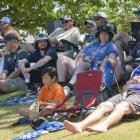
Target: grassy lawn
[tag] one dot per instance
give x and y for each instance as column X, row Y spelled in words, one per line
column 8, row 115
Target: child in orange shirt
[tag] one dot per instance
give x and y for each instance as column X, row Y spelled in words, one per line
column 50, row 96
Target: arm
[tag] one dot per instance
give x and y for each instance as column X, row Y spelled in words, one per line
column 113, row 59
column 22, row 64
column 41, row 63
column 14, row 74
column 128, row 58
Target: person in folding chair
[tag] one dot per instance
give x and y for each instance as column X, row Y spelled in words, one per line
column 65, row 39
column 125, row 103
column 94, row 56
column 50, row 95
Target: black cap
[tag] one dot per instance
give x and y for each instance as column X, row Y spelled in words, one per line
column 10, row 37
column 106, row 28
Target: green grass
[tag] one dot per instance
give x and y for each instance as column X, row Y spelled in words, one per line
column 8, row 115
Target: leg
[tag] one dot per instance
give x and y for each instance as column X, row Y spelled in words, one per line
column 119, row 45
column 46, row 111
column 103, row 108
column 3, row 86
column 120, row 110
column 11, row 85
column 82, row 66
column 65, row 66
column 24, row 112
column 118, row 71
column 129, row 68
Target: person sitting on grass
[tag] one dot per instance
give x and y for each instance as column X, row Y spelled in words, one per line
column 10, row 78
column 127, row 102
column 50, row 95
column 33, row 65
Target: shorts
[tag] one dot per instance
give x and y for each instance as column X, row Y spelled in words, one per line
column 15, row 84
column 132, row 98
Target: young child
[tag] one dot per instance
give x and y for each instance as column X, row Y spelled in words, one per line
column 50, row 95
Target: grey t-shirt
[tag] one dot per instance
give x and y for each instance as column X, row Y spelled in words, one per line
column 72, row 35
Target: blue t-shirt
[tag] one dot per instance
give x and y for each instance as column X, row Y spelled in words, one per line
column 11, row 60
column 136, row 72
column 90, row 37
column 36, row 56
column 89, row 51
column 102, row 52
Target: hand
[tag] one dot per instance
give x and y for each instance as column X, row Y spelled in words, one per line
column 2, row 76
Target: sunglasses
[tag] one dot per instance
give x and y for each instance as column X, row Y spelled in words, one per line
column 65, row 21
column 89, row 26
column 2, row 23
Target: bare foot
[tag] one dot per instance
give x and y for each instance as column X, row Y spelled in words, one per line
column 97, row 128
column 73, row 127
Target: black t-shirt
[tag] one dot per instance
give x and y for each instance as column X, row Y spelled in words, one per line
column 11, row 60
column 36, row 56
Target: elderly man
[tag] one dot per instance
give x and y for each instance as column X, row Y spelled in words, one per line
column 101, row 18
column 5, row 26
column 9, row 80
column 67, row 36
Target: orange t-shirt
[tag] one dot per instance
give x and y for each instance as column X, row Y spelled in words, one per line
column 55, row 93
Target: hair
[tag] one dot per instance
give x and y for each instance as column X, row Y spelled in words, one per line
column 111, row 35
column 51, row 71
column 36, row 45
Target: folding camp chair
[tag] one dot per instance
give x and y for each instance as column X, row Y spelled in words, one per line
column 88, row 85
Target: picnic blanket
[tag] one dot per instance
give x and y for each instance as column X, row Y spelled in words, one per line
column 18, row 100
column 43, row 129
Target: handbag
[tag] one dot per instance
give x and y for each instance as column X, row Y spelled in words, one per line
column 34, row 111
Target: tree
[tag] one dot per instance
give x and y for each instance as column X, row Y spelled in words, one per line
column 30, row 15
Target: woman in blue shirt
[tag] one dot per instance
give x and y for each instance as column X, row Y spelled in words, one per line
column 95, row 55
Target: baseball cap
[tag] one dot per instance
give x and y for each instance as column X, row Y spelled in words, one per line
column 67, row 17
column 10, row 37
column 6, row 20
column 100, row 14
column 90, row 22
column 41, row 37
column 137, row 12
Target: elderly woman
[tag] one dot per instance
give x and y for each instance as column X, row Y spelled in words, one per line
column 94, row 55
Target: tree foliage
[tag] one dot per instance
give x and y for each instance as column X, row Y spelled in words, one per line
column 30, row 15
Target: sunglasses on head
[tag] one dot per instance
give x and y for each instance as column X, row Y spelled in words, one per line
column 41, row 35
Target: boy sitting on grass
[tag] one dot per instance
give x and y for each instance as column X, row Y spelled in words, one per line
column 50, row 95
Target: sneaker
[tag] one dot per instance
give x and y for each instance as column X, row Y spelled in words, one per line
column 66, row 90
